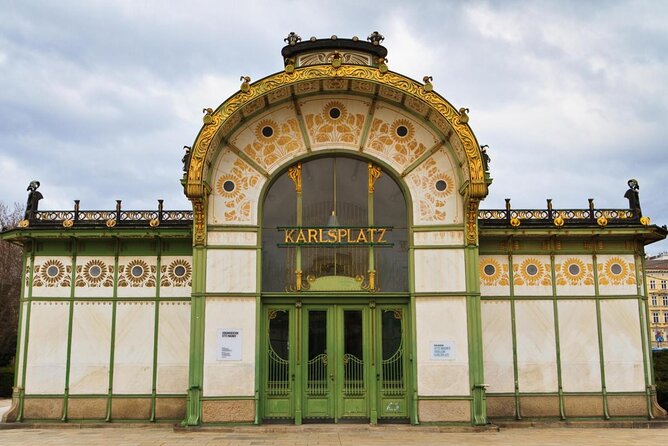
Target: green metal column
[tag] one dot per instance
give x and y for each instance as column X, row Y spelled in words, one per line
column 599, row 327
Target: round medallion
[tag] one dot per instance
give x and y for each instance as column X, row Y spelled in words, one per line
column 52, row 271
column 94, row 271
column 402, row 131
column 180, row 271
column 489, row 270
column 574, row 269
column 616, row 269
column 228, row 186
column 441, row 185
column 334, row 113
column 532, row 270
column 137, row 271
column 267, row 131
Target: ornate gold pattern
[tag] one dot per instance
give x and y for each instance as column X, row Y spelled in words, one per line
column 177, row 274
column 374, row 173
column 326, row 58
column 532, row 272
column 204, row 145
column 199, row 222
column 23, row 224
column 269, row 150
column 238, row 203
column 136, row 273
column 472, row 222
column 388, row 144
column 346, row 128
column 574, row 271
column 95, row 273
column 499, row 276
column 616, row 271
column 68, row 223
column 295, row 174
column 52, row 273
column 431, row 203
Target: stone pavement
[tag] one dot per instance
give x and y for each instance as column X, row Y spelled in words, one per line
column 326, row 435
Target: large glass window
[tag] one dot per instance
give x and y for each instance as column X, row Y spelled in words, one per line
column 339, row 198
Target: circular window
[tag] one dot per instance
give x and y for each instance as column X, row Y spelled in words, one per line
column 334, row 113
column 52, row 271
column 137, row 271
column 180, row 271
column 489, row 270
column 574, row 269
column 402, row 131
column 616, row 268
column 532, row 270
column 441, row 185
column 267, row 131
column 229, row 186
column 94, row 271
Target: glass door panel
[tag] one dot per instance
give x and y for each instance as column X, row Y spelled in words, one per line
column 278, row 376
column 353, row 394
column 319, row 371
column 393, row 397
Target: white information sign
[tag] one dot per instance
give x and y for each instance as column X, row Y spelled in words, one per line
column 229, row 344
column 442, row 350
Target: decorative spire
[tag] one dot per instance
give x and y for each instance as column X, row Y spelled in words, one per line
column 376, row 38
column 292, row 39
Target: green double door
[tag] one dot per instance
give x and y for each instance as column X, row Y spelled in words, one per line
column 332, row 363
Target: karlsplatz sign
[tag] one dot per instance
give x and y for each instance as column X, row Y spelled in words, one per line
column 338, row 236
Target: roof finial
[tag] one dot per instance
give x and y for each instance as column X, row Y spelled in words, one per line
column 375, row 38
column 292, row 38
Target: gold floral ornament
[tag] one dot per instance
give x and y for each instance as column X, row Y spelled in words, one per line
column 493, row 273
column 574, row 272
column 178, row 274
column 154, row 223
column 51, row 273
column 616, row 272
column 602, row 221
column 68, row 223
column 645, row 221
column 395, row 141
column 532, row 272
column 274, row 142
column 24, row 224
column 111, row 223
column 335, row 124
column 515, row 222
column 559, row 222
column 235, row 187
column 94, row 273
column 136, row 273
column 437, row 187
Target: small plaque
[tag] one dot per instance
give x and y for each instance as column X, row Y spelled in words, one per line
column 442, row 350
column 229, row 344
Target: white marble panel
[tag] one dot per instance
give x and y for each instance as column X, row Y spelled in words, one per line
column 133, row 351
column 137, row 276
column 622, row 348
column 578, row 341
column 497, row 346
column 173, row 347
column 439, row 320
column 47, row 348
column 91, row 345
column 439, row 238
column 536, row 348
column 227, row 238
column 172, row 282
column 56, row 285
column 617, row 275
column 494, row 275
column 532, row 275
column 21, row 343
column 439, row 270
column 229, row 378
column 94, row 276
column 230, row 271
column 574, row 275
column 343, row 131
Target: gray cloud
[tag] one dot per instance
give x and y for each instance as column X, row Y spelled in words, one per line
column 98, row 98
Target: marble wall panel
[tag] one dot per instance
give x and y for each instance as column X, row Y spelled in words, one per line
column 574, row 275
column 47, row 348
column 137, row 276
column 225, row 238
column 176, row 274
column 439, row 238
column 236, row 191
column 133, row 351
column 532, row 275
column 52, row 276
column 622, row 348
column 434, row 187
column 497, row 346
column 397, row 138
column 536, row 348
column 91, row 345
column 231, row 270
column 94, row 277
column 229, row 378
column 328, row 128
column 439, row 270
column 272, row 138
column 21, row 344
column 616, row 275
column 578, row 342
column 173, row 347
column 442, row 320
column 494, row 275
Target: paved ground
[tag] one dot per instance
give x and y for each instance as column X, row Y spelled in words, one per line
column 340, row 435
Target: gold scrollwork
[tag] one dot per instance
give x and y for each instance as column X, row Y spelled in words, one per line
column 472, row 223
column 295, row 174
column 199, row 225
column 68, row 223
column 24, row 224
column 374, row 174
column 205, row 143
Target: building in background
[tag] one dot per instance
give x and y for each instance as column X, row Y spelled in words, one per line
column 656, row 269
column 335, row 267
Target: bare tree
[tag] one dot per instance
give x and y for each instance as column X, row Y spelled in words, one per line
column 10, row 284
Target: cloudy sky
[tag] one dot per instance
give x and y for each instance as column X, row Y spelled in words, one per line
column 97, row 98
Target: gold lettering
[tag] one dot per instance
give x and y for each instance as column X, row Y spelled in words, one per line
column 350, row 239
column 342, row 232
column 288, row 235
column 320, row 235
column 313, row 236
column 301, row 238
column 331, row 233
column 361, row 238
column 382, row 234
column 372, row 235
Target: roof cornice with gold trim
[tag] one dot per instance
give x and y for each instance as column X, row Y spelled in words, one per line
column 206, row 141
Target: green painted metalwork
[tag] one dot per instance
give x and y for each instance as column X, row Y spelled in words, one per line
column 112, row 351
column 69, row 330
column 513, row 330
column 599, row 328
column 19, row 417
column 156, row 327
column 474, row 331
column 644, row 335
column 555, row 309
